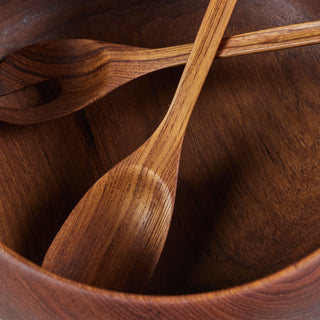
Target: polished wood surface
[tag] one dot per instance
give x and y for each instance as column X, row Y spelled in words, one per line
column 246, row 209
column 38, row 83
column 115, row 235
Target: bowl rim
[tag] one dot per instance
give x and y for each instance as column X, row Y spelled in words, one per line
column 28, row 266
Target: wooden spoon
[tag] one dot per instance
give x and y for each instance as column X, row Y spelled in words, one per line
column 114, row 236
column 53, row 79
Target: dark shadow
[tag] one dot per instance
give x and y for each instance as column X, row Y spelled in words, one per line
column 32, row 96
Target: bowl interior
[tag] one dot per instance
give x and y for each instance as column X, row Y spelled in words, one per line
column 249, row 188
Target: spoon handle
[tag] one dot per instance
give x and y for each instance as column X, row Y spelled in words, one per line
column 167, row 140
column 266, row 40
column 277, row 38
column 201, row 57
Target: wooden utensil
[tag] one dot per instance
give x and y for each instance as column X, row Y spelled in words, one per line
column 39, row 83
column 114, row 237
column 248, row 192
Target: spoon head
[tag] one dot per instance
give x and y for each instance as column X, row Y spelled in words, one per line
column 80, row 68
column 114, row 236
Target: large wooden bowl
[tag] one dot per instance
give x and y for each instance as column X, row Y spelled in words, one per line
column 244, row 241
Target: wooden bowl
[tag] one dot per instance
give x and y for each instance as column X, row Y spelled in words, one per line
column 244, row 241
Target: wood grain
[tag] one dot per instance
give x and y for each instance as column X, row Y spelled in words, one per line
column 114, row 237
column 246, row 208
column 35, row 86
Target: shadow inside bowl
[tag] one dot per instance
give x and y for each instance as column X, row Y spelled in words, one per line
column 248, row 192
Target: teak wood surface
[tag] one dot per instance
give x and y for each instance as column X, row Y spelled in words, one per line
column 244, row 240
column 38, row 83
column 114, row 237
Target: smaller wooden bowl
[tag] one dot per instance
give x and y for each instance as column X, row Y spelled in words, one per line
column 244, row 241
